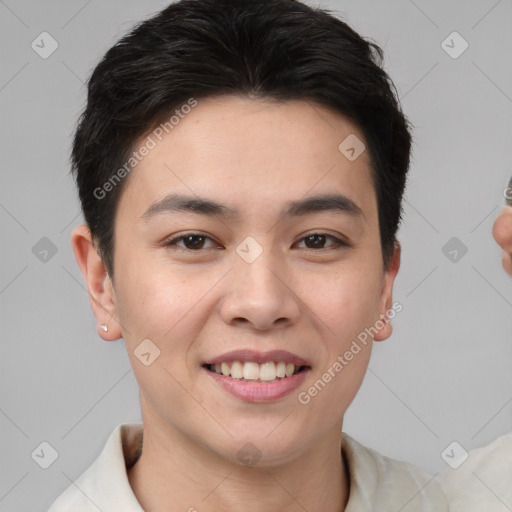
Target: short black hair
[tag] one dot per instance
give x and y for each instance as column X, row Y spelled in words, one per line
column 271, row 49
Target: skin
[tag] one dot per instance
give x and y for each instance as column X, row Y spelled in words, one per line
column 502, row 233
column 255, row 156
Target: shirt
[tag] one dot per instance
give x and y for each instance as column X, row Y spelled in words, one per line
column 377, row 483
column 483, row 482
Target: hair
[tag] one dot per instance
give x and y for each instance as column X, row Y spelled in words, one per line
column 276, row 50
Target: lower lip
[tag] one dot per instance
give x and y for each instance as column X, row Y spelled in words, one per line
column 259, row 391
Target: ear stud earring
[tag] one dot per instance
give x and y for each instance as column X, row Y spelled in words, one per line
column 104, row 327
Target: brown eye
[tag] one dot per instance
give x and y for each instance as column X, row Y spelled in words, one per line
column 194, row 241
column 318, row 240
column 191, row 241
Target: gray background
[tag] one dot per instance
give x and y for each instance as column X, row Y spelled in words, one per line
column 445, row 373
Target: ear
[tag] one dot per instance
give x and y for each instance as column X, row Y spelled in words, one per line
column 386, row 297
column 99, row 285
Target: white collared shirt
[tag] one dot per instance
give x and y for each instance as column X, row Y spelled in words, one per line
column 377, row 483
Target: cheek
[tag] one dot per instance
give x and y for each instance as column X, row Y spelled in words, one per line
column 151, row 302
column 349, row 311
column 159, row 308
column 170, row 310
column 346, row 301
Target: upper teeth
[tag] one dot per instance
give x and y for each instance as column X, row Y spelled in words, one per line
column 253, row 371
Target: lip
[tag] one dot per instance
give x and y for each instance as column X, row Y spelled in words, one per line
column 245, row 355
column 259, row 391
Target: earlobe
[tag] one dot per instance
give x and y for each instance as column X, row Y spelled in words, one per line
column 384, row 323
column 99, row 285
column 385, row 332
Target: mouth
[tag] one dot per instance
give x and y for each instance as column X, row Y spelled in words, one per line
column 256, row 382
column 248, row 365
column 251, row 371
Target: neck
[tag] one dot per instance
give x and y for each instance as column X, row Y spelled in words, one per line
column 173, row 469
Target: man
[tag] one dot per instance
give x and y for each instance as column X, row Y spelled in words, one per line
column 240, row 166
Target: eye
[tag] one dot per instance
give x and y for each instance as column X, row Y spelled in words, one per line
column 195, row 242
column 317, row 240
column 191, row 241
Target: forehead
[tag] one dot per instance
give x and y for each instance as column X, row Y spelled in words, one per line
column 245, row 151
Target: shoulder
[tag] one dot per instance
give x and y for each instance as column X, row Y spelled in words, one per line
column 380, row 482
column 484, row 480
column 104, row 485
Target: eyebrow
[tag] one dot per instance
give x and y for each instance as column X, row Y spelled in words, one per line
column 172, row 203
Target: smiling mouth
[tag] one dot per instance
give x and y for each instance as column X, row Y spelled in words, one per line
column 249, row 371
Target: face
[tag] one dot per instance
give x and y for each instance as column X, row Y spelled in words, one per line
column 266, row 268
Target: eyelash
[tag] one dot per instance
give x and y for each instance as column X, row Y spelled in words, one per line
column 338, row 244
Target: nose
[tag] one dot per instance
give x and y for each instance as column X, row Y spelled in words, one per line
column 260, row 295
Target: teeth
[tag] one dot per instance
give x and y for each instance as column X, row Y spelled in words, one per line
column 250, row 370
column 237, row 370
column 268, row 371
